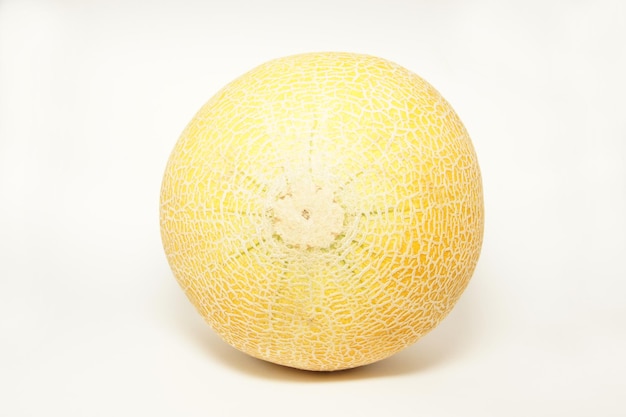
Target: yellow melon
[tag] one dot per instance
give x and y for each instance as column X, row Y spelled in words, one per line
column 323, row 211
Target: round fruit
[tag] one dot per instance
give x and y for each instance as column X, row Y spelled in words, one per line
column 324, row 210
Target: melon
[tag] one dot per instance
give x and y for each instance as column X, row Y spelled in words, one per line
column 323, row 211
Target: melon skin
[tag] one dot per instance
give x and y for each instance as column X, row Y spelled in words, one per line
column 323, row 211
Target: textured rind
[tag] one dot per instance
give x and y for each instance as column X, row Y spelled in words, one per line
column 323, row 211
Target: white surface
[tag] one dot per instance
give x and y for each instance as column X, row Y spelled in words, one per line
column 93, row 95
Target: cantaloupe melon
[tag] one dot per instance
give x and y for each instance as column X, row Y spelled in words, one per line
column 323, row 211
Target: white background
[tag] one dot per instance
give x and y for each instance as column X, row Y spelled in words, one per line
column 93, row 96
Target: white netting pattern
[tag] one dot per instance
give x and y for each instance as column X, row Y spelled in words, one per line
column 323, row 211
